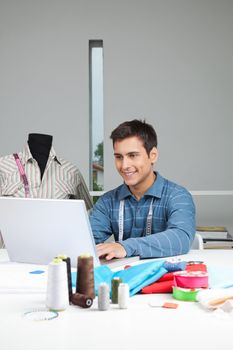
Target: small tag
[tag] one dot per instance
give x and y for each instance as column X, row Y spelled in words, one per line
column 166, row 305
column 170, row 305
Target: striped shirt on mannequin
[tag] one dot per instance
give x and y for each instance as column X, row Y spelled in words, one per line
column 61, row 179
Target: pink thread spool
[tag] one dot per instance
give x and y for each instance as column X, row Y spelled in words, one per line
column 192, row 279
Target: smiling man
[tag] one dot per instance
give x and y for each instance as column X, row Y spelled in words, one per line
column 148, row 215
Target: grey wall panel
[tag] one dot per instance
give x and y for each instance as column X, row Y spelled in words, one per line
column 44, row 77
column 172, row 64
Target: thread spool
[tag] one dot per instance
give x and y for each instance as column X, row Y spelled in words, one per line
column 123, row 295
column 191, row 279
column 82, row 300
column 185, row 294
column 69, row 279
column 57, row 287
column 103, row 297
column 196, row 266
column 85, row 276
column 115, row 284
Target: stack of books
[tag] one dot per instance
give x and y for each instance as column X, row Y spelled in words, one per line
column 215, row 237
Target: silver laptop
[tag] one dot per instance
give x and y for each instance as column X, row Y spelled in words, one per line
column 36, row 230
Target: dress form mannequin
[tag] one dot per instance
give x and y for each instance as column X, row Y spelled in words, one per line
column 61, row 179
column 40, row 146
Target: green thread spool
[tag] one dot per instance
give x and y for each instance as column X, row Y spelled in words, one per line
column 115, row 284
column 185, row 294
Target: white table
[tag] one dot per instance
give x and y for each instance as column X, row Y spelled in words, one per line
column 138, row 327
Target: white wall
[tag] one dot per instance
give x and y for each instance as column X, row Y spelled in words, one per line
column 170, row 61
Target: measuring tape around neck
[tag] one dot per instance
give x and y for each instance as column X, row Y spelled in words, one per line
column 121, row 220
column 22, row 174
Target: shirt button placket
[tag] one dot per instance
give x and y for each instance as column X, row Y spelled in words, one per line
column 137, row 216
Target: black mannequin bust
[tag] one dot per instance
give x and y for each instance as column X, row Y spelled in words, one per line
column 40, row 146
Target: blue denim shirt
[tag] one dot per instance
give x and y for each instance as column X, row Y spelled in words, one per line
column 173, row 221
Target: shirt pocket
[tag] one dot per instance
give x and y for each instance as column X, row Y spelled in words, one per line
column 65, row 189
column 12, row 186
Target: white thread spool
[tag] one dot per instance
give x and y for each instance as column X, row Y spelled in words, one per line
column 103, row 297
column 123, row 295
column 57, row 298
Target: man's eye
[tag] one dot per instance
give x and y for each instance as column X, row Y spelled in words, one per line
column 118, row 157
column 132, row 155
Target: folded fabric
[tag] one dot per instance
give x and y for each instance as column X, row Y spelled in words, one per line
column 137, row 277
column 148, row 273
column 167, row 277
column 165, row 283
column 158, row 287
column 141, row 275
column 175, row 266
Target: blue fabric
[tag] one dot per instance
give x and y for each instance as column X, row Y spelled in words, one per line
column 102, row 274
column 137, row 276
column 173, row 226
column 141, row 275
column 176, row 266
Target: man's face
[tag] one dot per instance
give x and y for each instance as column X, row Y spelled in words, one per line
column 133, row 163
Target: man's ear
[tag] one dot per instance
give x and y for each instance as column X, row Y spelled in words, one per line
column 154, row 154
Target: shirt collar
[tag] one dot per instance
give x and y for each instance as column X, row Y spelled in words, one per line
column 154, row 191
column 124, row 192
column 53, row 155
column 157, row 188
column 27, row 156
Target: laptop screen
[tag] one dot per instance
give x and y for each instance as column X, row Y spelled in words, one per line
column 36, row 230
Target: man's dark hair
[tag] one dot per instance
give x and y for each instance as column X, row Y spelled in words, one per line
column 145, row 132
